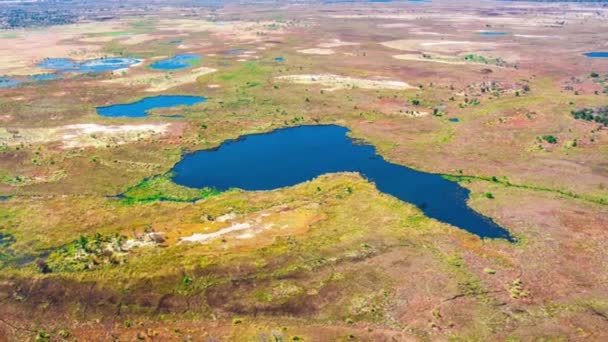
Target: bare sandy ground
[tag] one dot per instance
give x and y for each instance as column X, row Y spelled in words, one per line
column 81, row 135
column 160, row 82
column 335, row 82
column 439, row 46
column 317, row 51
column 432, row 59
column 334, row 43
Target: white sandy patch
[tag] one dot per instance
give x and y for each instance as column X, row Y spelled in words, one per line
column 440, row 46
column 536, row 36
column 336, row 82
column 317, row 51
column 245, row 236
column 421, row 58
column 200, row 238
column 81, row 135
column 396, row 25
column 226, row 217
column 147, row 240
column 333, row 43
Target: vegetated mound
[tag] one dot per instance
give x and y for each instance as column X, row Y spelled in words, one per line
column 599, row 115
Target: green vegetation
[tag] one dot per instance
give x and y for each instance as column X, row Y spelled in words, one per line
column 494, row 179
column 86, row 253
column 162, row 188
column 599, row 115
column 550, row 139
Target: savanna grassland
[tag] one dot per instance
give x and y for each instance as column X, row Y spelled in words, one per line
column 98, row 243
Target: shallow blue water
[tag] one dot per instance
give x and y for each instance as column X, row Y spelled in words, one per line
column 597, row 54
column 235, row 51
column 46, row 77
column 6, row 82
column 454, row 120
column 492, row 33
column 280, row 59
column 176, row 62
column 294, row 155
column 140, row 108
column 93, row 65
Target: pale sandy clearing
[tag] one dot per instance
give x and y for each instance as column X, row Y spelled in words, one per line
column 440, row 46
column 200, row 238
column 317, row 51
column 80, row 135
column 336, row 82
column 160, row 82
column 333, row 43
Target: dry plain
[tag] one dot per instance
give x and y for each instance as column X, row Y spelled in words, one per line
column 332, row 258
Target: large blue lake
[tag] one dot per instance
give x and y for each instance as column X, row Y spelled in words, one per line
column 140, row 108
column 597, row 54
column 294, row 155
column 176, row 62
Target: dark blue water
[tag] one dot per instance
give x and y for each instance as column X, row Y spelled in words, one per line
column 597, row 54
column 280, row 59
column 294, row 155
column 176, row 62
column 492, row 33
column 454, row 120
column 93, row 65
column 140, row 108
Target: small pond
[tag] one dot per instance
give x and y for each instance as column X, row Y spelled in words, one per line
column 176, row 62
column 597, row 54
column 290, row 156
column 492, row 33
column 7, row 82
column 93, row 65
column 140, row 108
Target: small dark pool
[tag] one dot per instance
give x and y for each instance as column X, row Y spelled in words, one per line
column 140, row 108
column 294, row 155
